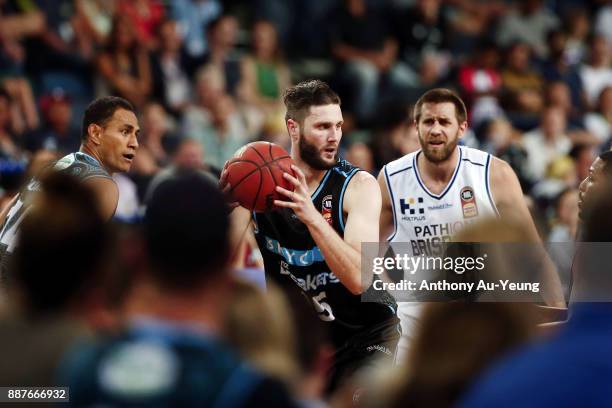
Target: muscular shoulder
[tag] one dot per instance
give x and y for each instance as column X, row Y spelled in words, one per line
column 500, row 171
column 504, row 184
column 362, row 189
column 107, row 194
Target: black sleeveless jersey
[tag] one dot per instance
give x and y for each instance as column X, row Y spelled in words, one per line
column 292, row 258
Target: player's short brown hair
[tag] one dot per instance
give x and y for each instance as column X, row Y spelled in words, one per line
column 441, row 95
column 299, row 98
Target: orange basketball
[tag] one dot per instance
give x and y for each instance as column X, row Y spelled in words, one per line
column 255, row 171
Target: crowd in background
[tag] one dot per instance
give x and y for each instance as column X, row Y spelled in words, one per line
column 207, row 76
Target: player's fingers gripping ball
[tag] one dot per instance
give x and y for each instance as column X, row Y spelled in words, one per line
column 254, row 172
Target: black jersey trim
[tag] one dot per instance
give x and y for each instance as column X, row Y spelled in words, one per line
column 321, row 185
column 400, row 170
column 341, row 201
column 450, row 183
column 477, row 164
column 392, row 204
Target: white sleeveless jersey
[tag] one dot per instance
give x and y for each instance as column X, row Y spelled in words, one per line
column 426, row 220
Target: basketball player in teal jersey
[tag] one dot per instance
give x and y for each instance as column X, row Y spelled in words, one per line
column 312, row 241
column 108, row 145
column 430, row 194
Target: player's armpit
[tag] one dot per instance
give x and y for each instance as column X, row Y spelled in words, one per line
column 386, row 210
column 107, row 195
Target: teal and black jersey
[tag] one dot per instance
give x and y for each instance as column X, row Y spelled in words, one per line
column 292, row 258
column 78, row 164
column 165, row 364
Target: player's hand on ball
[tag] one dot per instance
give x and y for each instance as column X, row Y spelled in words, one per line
column 299, row 199
column 226, row 188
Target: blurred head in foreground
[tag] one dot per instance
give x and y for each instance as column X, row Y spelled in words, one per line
column 63, row 251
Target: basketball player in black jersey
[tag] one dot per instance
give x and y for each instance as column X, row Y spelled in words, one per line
column 312, row 241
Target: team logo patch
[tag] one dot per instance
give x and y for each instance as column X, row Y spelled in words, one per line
column 326, row 209
column 468, row 202
column 414, row 206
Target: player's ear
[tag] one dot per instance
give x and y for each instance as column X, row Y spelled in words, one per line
column 462, row 128
column 294, row 129
column 94, row 132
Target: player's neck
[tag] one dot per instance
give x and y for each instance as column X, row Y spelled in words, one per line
column 438, row 172
column 313, row 176
column 87, row 149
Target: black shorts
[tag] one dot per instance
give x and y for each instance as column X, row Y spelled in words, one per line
column 370, row 348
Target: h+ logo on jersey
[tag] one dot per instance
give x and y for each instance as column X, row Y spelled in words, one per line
column 413, row 206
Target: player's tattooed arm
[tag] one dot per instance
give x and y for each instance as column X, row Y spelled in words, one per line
column 510, row 203
column 362, row 208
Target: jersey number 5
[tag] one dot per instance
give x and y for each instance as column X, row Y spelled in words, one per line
column 323, row 308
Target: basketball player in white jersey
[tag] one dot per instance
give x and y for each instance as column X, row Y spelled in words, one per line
column 430, row 194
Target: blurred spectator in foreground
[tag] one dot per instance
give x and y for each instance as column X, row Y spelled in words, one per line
column 124, row 64
column 48, row 312
column 259, row 326
column 172, row 349
column 546, row 142
column 187, row 156
column 282, row 336
column 59, row 132
column 455, row 343
column 570, row 368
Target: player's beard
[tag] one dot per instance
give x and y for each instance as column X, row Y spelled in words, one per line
column 438, row 155
column 312, row 156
